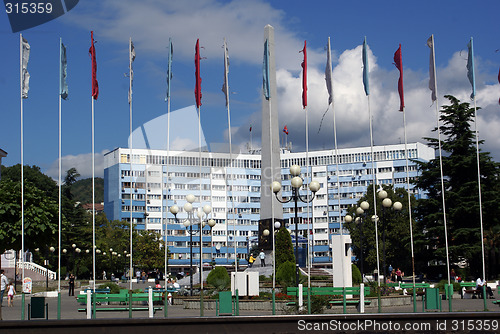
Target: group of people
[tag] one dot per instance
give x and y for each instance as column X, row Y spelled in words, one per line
column 261, row 256
column 395, row 275
column 7, row 286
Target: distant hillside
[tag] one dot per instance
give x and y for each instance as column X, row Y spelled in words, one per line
column 82, row 190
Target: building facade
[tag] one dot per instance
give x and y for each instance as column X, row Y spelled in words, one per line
column 149, row 183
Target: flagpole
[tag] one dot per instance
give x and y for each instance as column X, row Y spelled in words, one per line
column 93, row 196
column 409, row 209
column 472, row 79
column 329, row 69
column 22, row 165
column 434, row 83
column 226, row 87
column 169, row 73
column 131, row 263
column 310, row 236
column 59, row 182
column 374, row 169
column 479, row 189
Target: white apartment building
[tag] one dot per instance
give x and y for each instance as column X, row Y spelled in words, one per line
column 156, row 183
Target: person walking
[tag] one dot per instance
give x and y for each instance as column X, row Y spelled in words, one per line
column 10, row 295
column 262, row 257
column 4, row 284
column 71, row 291
column 251, row 260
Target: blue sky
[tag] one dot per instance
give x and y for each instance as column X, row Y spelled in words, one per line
column 150, row 23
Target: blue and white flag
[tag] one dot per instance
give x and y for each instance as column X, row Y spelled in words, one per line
column 63, row 85
column 265, row 72
column 365, row 68
column 25, row 76
column 169, row 67
column 470, row 69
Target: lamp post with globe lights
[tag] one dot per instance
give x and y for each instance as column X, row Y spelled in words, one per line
column 49, row 251
column 189, row 222
column 386, row 203
column 296, row 184
column 360, row 215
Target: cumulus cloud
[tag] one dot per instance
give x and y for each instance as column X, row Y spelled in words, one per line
column 351, row 105
column 82, row 163
column 152, row 22
column 242, row 23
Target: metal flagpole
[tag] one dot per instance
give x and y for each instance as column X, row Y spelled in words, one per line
column 433, row 83
column 22, row 169
column 201, row 217
column 480, row 200
column 131, row 265
column 329, row 70
column 472, row 79
column 93, row 199
column 374, row 169
column 310, row 237
column 169, row 76
column 409, row 210
column 226, row 92
column 59, row 191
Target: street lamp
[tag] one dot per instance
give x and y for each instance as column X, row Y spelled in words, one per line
column 386, row 203
column 189, row 222
column 50, row 250
column 360, row 211
column 296, row 184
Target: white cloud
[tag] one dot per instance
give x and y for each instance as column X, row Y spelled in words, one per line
column 82, row 163
column 351, row 104
column 242, row 23
column 151, row 22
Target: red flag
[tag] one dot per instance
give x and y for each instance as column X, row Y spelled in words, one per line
column 197, row 89
column 95, row 86
column 250, row 128
column 285, row 130
column 304, row 77
column 398, row 61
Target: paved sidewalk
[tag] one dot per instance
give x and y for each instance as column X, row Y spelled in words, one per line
column 69, row 308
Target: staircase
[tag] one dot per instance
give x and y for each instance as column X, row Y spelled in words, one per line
column 318, row 272
column 35, row 271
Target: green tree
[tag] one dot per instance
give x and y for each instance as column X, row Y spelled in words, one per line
column 40, row 217
column 394, row 225
column 284, row 247
column 461, row 192
column 71, row 176
column 149, row 251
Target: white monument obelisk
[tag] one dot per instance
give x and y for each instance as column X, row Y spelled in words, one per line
column 270, row 209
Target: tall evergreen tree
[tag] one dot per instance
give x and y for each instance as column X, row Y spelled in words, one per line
column 461, row 192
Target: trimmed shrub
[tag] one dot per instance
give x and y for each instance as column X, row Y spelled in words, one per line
column 285, row 275
column 219, row 278
column 356, row 275
column 113, row 287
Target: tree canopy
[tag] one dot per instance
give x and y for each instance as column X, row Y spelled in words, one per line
column 460, row 172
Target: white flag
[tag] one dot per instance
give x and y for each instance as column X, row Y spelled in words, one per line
column 131, row 60
column 432, row 69
column 25, row 77
column 225, row 86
